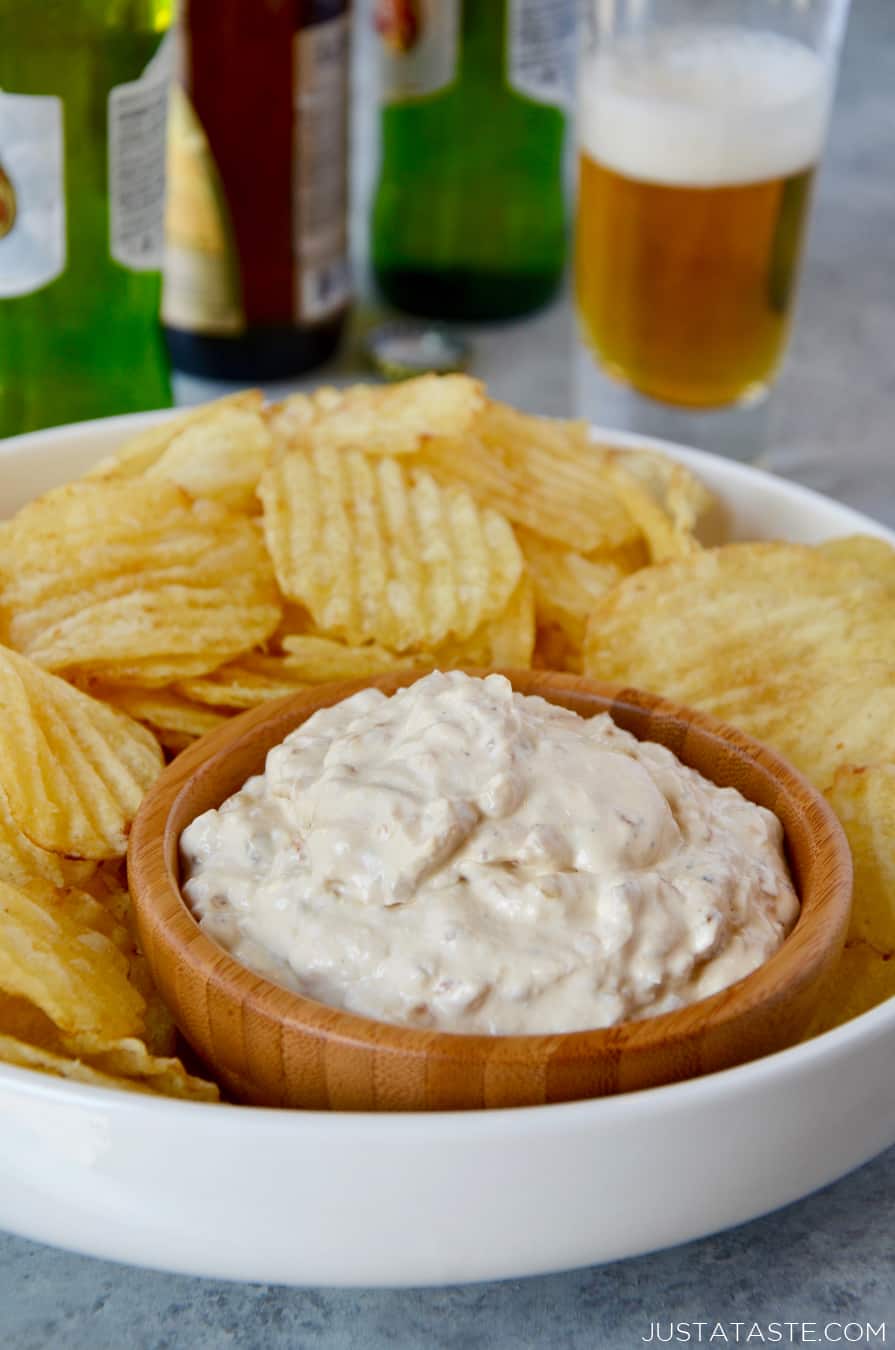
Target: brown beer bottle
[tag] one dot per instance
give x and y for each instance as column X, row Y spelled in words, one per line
column 256, row 281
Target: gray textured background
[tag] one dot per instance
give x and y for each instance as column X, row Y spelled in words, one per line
column 831, row 1256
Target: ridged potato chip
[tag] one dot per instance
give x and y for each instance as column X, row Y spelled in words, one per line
column 22, row 861
column 566, row 584
column 159, row 1030
column 131, row 1059
column 309, row 658
column 379, row 419
column 223, row 459
column 129, row 1065
column 246, row 682
column 506, row 641
column 541, row 473
column 306, row 659
column 795, row 647
column 873, row 556
column 65, row 966
column 665, row 500
column 74, row 990
column 134, row 583
column 162, row 709
column 25, row 1056
column 143, row 451
column 864, row 800
column 821, row 718
column 108, row 888
column 73, row 770
column 375, row 554
column 731, row 620
column 317, row 659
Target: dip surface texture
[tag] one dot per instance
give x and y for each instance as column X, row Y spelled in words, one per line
column 463, row 857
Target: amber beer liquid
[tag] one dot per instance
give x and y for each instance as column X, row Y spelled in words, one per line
column 698, row 150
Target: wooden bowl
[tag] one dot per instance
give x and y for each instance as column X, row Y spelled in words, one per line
column 273, row 1047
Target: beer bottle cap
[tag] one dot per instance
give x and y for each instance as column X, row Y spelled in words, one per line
column 401, row 350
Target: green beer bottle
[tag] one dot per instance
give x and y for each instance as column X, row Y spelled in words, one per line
column 469, row 216
column 83, row 92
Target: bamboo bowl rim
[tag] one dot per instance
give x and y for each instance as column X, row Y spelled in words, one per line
column 170, row 931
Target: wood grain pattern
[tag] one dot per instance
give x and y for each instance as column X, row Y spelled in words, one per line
column 272, row 1047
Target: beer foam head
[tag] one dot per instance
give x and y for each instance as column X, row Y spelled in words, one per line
column 705, row 107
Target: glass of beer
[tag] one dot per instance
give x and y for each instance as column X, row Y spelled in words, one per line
column 700, row 130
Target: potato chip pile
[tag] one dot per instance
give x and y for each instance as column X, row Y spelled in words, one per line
column 237, row 553
column 796, row 646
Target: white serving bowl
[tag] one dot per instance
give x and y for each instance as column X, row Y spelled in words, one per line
column 318, row 1198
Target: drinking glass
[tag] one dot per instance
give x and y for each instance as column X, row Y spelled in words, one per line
column 701, row 126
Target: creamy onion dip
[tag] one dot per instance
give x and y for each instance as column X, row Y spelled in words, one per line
column 464, row 857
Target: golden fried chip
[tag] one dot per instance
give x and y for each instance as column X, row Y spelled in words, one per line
column 222, row 458
column 793, row 646
column 159, row 1030
column 730, row 620
column 73, row 770
column 73, row 986
column 873, row 556
column 566, row 584
column 309, row 658
column 108, row 887
column 821, row 718
column 665, row 500
column 135, row 583
column 541, row 473
column 33, row 1042
column 511, row 636
column 507, row 640
column 21, row 1018
column 864, row 800
column 22, row 861
column 246, row 682
column 25, row 1056
column 379, row 419
column 318, row 659
column 162, row 709
column 375, row 554
column 143, row 451
column 53, row 954
column 83, row 908
column 130, row 1059
column 862, row 979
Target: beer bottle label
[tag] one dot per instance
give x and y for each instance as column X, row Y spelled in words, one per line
column 541, row 49
column 320, row 187
column 32, row 193
column 200, row 288
column 277, row 256
column 137, row 115
column 418, row 46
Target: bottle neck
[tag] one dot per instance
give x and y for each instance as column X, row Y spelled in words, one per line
column 483, row 46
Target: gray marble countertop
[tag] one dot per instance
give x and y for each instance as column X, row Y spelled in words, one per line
column 831, row 1256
